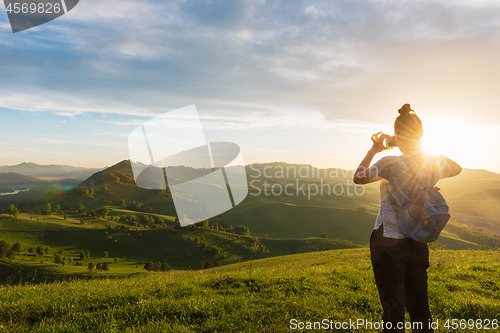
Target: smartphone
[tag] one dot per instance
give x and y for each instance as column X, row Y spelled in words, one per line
column 390, row 142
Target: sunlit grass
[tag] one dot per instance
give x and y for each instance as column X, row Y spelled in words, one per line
column 337, row 285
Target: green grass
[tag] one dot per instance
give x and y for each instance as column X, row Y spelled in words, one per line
column 133, row 247
column 262, row 296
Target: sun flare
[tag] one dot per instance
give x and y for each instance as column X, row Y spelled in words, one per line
column 463, row 143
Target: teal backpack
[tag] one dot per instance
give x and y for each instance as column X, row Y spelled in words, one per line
column 425, row 216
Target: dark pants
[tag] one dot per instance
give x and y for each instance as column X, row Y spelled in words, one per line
column 400, row 268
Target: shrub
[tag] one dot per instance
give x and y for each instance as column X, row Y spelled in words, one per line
column 102, row 212
column 80, row 209
column 10, row 254
column 17, row 247
column 241, row 230
column 164, row 267
column 87, row 192
column 47, row 210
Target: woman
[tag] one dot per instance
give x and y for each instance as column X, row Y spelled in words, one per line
column 400, row 264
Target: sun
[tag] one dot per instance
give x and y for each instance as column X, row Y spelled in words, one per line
column 465, row 144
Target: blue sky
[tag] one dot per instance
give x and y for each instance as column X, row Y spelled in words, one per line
column 293, row 81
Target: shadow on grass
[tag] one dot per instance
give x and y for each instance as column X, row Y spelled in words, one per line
column 20, row 274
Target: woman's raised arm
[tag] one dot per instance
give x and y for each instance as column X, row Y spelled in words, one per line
column 362, row 175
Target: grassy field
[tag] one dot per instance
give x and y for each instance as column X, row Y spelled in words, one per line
column 283, row 271
column 181, row 248
column 259, row 296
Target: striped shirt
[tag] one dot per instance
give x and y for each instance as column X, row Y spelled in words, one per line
column 398, row 180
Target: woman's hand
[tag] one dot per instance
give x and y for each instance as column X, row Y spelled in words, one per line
column 378, row 142
column 362, row 176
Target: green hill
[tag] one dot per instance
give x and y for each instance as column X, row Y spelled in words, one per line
column 267, row 295
column 300, row 213
column 184, row 248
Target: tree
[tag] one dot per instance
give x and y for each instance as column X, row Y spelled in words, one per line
column 46, row 250
column 148, row 266
column 80, row 209
column 98, row 267
column 57, row 209
column 241, row 230
column 105, row 266
column 165, row 267
column 65, row 216
column 12, row 211
column 17, row 247
column 105, row 254
column 39, row 250
column 83, row 191
column 4, row 248
column 57, row 258
column 87, row 254
column 156, row 266
column 11, row 254
column 91, row 266
column 47, row 210
column 31, row 250
column 135, row 205
column 203, row 224
column 103, row 212
column 146, row 220
column 324, row 235
column 82, row 256
column 119, row 177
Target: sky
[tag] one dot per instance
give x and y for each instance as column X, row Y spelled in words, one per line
column 288, row 81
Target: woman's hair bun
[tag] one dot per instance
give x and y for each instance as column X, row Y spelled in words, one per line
column 405, row 110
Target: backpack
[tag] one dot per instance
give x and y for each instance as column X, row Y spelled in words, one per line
column 423, row 218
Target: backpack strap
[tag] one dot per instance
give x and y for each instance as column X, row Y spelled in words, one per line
column 410, row 164
column 391, row 197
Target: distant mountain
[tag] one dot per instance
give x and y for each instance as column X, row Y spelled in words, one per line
column 12, row 179
column 56, row 171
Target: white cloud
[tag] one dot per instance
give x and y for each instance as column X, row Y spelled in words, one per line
column 311, row 10
column 275, row 53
